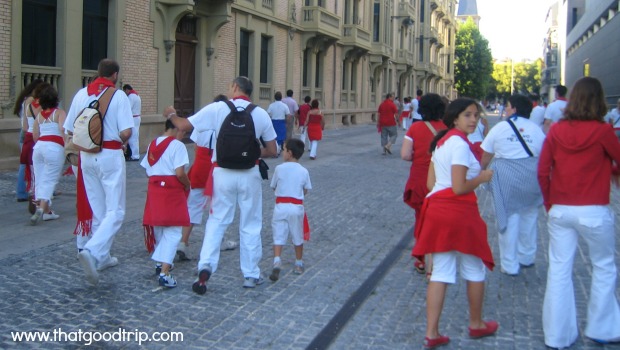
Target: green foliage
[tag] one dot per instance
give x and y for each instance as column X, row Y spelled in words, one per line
column 474, row 63
column 526, row 78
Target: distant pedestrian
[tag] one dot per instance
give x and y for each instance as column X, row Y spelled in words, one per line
column 291, row 182
column 279, row 112
column 538, row 112
column 575, row 171
column 451, row 225
column 386, row 123
column 405, row 116
column 165, row 211
column 49, row 151
column 31, row 110
column 315, row 123
column 515, row 145
column 293, row 108
column 136, row 111
column 613, row 118
column 302, row 113
column 555, row 110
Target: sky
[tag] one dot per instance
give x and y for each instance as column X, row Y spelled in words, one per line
column 514, row 28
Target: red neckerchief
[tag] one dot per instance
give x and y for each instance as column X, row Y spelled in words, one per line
column 98, row 85
column 242, row 98
column 132, row 92
column 35, row 103
column 535, row 104
column 561, row 99
column 462, row 135
column 46, row 113
column 156, row 151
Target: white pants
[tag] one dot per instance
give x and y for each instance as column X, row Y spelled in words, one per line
column 406, row 123
column 166, row 240
column 104, row 179
column 518, row 244
column 232, row 188
column 444, row 267
column 288, row 219
column 134, row 139
column 196, row 202
column 47, row 160
column 304, row 136
column 313, row 146
column 595, row 224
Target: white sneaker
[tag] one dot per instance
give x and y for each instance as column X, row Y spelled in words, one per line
column 229, row 245
column 167, row 281
column 50, row 216
column 111, row 262
column 36, row 217
column 89, row 265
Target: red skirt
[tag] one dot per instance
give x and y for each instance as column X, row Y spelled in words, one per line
column 201, row 169
column 315, row 132
column 451, row 222
column 166, row 202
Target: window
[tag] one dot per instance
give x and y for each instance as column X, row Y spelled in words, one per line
column 375, row 22
column 421, row 50
column 344, row 75
column 305, row 68
column 448, row 64
column 39, row 32
column 347, row 10
column 421, row 10
column 354, row 75
column 244, row 53
column 264, row 59
column 317, row 71
column 94, row 33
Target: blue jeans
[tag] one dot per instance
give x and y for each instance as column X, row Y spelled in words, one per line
column 21, row 181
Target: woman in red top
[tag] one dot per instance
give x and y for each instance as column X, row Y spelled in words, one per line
column 315, row 123
column 415, row 149
column 574, row 172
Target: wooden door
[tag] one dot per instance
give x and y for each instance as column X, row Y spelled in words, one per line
column 185, row 66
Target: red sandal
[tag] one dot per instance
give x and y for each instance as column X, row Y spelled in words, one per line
column 433, row 343
column 490, row 329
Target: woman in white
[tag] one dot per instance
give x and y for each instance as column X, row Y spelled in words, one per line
column 405, row 116
column 49, row 153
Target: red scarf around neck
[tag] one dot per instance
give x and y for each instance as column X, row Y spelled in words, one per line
column 35, row 103
column 46, row 113
column 98, row 85
column 156, row 151
column 132, row 92
column 242, row 98
column 462, row 135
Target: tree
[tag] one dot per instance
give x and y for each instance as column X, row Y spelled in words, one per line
column 525, row 77
column 474, row 63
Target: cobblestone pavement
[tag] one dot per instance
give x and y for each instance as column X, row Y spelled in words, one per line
column 357, row 218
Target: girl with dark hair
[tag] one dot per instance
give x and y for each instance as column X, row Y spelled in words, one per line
column 577, row 161
column 49, row 151
column 21, row 103
column 450, row 224
column 315, row 123
column 31, row 109
column 415, row 150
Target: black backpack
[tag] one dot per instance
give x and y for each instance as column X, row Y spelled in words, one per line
column 237, row 147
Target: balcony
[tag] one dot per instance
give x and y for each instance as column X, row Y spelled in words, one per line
column 435, row 4
column 355, row 35
column 436, row 69
column 320, row 21
column 405, row 8
column 382, row 49
column 404, row 56
column 433, row 35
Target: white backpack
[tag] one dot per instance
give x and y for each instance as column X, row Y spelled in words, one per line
column 88, row 126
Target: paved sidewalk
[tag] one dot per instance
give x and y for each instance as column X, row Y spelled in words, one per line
column 357, row 219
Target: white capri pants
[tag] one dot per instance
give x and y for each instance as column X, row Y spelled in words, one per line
column 134, row 139
column 288, row 219
column 47, row 159
column 166, row 240
column 196, row 205
column 444, row 267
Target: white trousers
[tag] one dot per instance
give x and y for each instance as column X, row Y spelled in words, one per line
column 444, row 267
column 47, row 160
column 167, row 239
column 288, row 219
column 196, row 202
column 595, row 224
column 104, row 179
column 134, row 139
column 304, row 136
column 518, row 244
column 232, row 188
column 313, row 147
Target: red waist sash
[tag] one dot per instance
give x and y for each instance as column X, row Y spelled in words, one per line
column 112, row 145
column 201, row 169
column 53, row 138
column 291, row 200
column 25, row 157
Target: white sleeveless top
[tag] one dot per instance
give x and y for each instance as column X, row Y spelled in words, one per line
column 49, row 126
column 24, row 114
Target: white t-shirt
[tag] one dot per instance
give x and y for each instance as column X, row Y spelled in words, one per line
column 211, row 117
column 407, row 107
column 278, row 110
column 291, row 104
column 555, row 110
column 117, row 118
column 136, row 104
column 414, row 108
column 502, row 141
column 538, row 116
column 290, row 179
column 455, row 151
column 174, row 156
column 613, row 117
column 203, row 139
column 478, row 134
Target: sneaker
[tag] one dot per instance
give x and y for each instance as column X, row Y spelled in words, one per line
column 167, row 281
column 229, row 245
column 200, row 285
column 36, row 217
column 50, row 216
column 298, row 269
column 89, row 265
column 111, row 262
column 182, row 251
column 275, row 273
column 157, row 269
column 251, row 282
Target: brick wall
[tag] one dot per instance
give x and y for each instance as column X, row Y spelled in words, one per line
column 225, row 57
column 5, row 57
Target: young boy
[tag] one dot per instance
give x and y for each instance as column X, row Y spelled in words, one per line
column 165, row 212
column 290, row 182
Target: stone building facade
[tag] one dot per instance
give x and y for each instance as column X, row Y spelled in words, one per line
column 346, row 53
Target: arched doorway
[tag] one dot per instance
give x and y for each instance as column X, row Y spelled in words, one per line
column 185, row 66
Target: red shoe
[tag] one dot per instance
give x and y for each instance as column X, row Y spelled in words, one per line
column 419, row 266
column 433, row 343
column 491, row 328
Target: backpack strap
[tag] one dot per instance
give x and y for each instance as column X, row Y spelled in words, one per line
column 104, row 101
column 233, row 108
column 431, row 128
column 527, row 149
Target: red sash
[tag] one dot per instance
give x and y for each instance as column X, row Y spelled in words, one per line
column 201, row 169
column 53, row 138
column 156, row 151
column 84, row 211
column 112, row 145
column 450, row 222
column 166, row 205
column 25, row 157
column 292, row 200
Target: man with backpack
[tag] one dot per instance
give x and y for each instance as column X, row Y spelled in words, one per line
column 238, row 126
column 101, row 175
